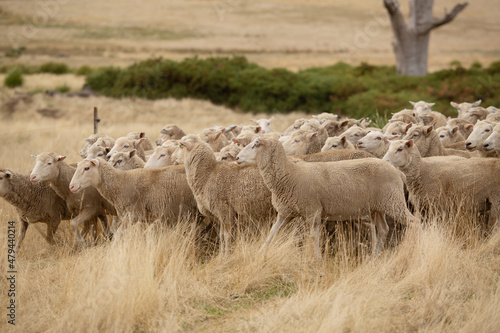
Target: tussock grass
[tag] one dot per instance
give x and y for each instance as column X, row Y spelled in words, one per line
column 440, row 276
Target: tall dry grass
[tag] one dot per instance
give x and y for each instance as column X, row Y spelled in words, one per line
column 441, row 276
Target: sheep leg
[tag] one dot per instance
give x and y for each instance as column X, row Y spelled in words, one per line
column 22, row 232
column 495, row 215
column 316, row 234
column 51, row 231
column 75, row 223
column 225, row 238
column 105, row 226
column 281, row 220
column 380, row 235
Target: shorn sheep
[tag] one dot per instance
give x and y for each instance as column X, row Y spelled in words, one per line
column 435, row 180
column 337, row 143
column 140, row 194
column 34, row 203
column 463, row 108
column 375, row 143
column 429, row 144
column 126, row 160
column 87, row 206
column 337, row 190
column 224, row 192
column 163, row 155
column 475, row 141
column 125, row 144
column 492, row 143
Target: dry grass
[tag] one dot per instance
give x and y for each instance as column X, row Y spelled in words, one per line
column 292, row 34
column 440, row 277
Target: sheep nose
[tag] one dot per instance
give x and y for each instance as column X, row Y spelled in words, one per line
column 486, row 145
column 467, row 144
column 237, row 158
column 33, row 178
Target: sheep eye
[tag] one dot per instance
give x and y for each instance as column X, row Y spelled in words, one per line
column 50, row 163
column 356, row 134
column 86, row 168
column 400, row 149
column 224, row 158
column 394, row 133
column 100, row 154
column 126, row 146
column 486, row 130
column 334, row 146
column 162, row 155
column 379, row 138
column 119, row 161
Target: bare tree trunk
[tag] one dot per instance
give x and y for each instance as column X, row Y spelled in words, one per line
column 411, row 40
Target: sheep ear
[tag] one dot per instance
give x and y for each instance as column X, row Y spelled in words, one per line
column 271, row 119
column 454, row 130
column 254, row 121
column 408, row 127
column 412, row 103
column 8, row 174
column 163, row 131
column 258, row 129
column 409, row 143
column 342, row 139
column 428, row 130
column 188, row 145
column 88, row 140
column 142, row 134
column 344, row 123
column 469, row 126
column 94, row 162
column 476, row 103
column 311, row 136
column 132, row 153
column 219, row 134
column 107, row 150
column 60, row 158
column 431, row 104
column 455, row 105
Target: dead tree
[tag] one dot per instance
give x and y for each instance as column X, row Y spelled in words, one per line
column 411, row 39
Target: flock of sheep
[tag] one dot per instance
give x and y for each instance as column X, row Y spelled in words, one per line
column 319, row 169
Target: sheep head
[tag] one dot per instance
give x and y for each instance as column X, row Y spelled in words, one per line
column 86, row 174
column 46, row 167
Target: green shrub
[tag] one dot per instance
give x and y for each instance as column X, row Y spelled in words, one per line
column 83, row 70
column 54, row 68
column 364, row 90
column 14, row 79
column 64, row 88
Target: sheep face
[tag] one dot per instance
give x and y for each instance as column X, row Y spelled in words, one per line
column 399, row 153
column 86, row 174
column 337, row 143
column 421, row 107
column 396, row 129
column 97, row 150
column 248, row 155
column 229, row 153
column 492, row 143
column 481, row 132
column 299, row 143
column 46, row 167
column 120, row 160
column 161, row 157
column 372, row 141
column 354, row 133
column 264, row 124
column 325, row 116
column 296, row 125
column 214, row 137
column 124, row 144
column 245, row 138
column 5, row 176
column 464, row 126
column 416, row 133
column 463, row 108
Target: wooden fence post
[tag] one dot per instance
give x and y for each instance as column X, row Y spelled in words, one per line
column 96, row 120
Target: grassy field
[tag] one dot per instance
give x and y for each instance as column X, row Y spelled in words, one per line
column 440, row 277
column 291, row 34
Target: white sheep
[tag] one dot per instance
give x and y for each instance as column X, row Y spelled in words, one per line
column 375, row 143
column 302, row 143
column 98, row 149
column 89, row 141
column 438, row 181
column 477, row 113
column 145, row 142
column 354, row 133
column 163, row 155
column 326, row 116
column 215, row 138
column 463, row 108
column 34, row 203
column 169, row 132
column 492, row 143
column 125, row 160
column 229, row 152
column 140, row 194
column 428, row 143
column 125, row 144
column 223, row 191
column 449, row 136
column 337, row 143
column 434, row 119
column 338, row 190
column 422, row 107
column 405, row 115
column 264, row 124
column 85, row 206
column 482, row 130
column 396, row 129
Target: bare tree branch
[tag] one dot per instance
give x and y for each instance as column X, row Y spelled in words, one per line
column 397, row 19
column 446, row 18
